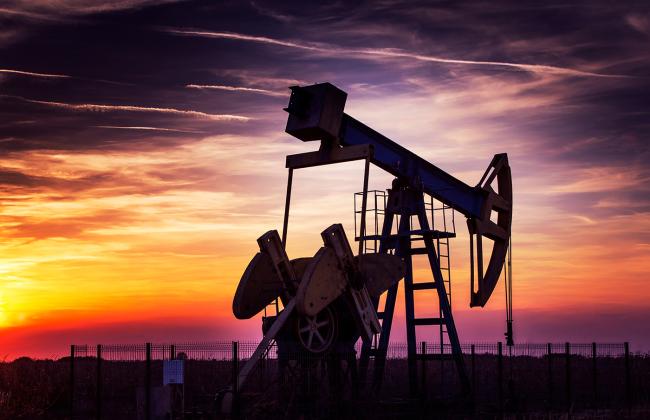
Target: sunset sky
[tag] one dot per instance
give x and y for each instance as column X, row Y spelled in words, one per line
column 142, row 153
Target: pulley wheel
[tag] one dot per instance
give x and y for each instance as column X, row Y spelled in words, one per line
column 317, row 333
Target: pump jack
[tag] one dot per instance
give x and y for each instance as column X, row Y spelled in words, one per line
column 316, row 114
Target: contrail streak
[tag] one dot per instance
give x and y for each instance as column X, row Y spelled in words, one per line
column 33, row 74
column 535, row 68
column 145, row 128
column 132, row 108
column 237, row 89
column 244, row 37
column 390, row 52
column 60, row 76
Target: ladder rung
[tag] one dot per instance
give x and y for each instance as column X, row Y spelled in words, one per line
column 428, row 321
column 380, row 315
column 434, row 234
column 424, row 285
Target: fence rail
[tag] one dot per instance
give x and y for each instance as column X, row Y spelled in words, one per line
column 222, row 350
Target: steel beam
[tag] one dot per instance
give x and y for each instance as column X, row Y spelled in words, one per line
column 406, row 165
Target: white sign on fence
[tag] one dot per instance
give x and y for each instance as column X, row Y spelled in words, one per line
column 172, row 372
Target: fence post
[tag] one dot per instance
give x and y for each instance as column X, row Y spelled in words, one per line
column 473, row 362
column 423, row 346
column 549, row 352
column 628, row 378
column 147, row 382
column 567, row 355
column 235, row 376
column 594, row 371
column 72, row 354
column 172, row 352
column 500, row 373
column 99, row 382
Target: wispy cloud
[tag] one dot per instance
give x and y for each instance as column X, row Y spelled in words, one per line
column 34, row 74
column 42, row 9
column 639, row 22
column 60, row 76
column 583, row 219
column 244, row 37
column 250, row 78
column 389, row 53
column 145, row 128
column 272, row 13
column 602, row 179
column 237, row 89
column 24, row 13
column 133, row 108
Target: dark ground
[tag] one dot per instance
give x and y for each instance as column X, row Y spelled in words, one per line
column 531, row 388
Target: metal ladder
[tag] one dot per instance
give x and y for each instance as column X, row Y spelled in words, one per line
column 444, row 254
column 375, row 213
column 438, row 233
column 376, row 209
column 401, row 242
column 444, row 262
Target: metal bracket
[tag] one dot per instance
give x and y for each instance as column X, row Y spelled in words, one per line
column 328, row 156
column 364, row 310
column 271, row 245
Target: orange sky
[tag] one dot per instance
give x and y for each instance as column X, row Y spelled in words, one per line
column 112, row 255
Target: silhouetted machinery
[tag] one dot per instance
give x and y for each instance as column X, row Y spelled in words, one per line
column 333, row 298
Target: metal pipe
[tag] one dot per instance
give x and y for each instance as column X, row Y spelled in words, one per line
column 285, row 225
column 364, row 204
